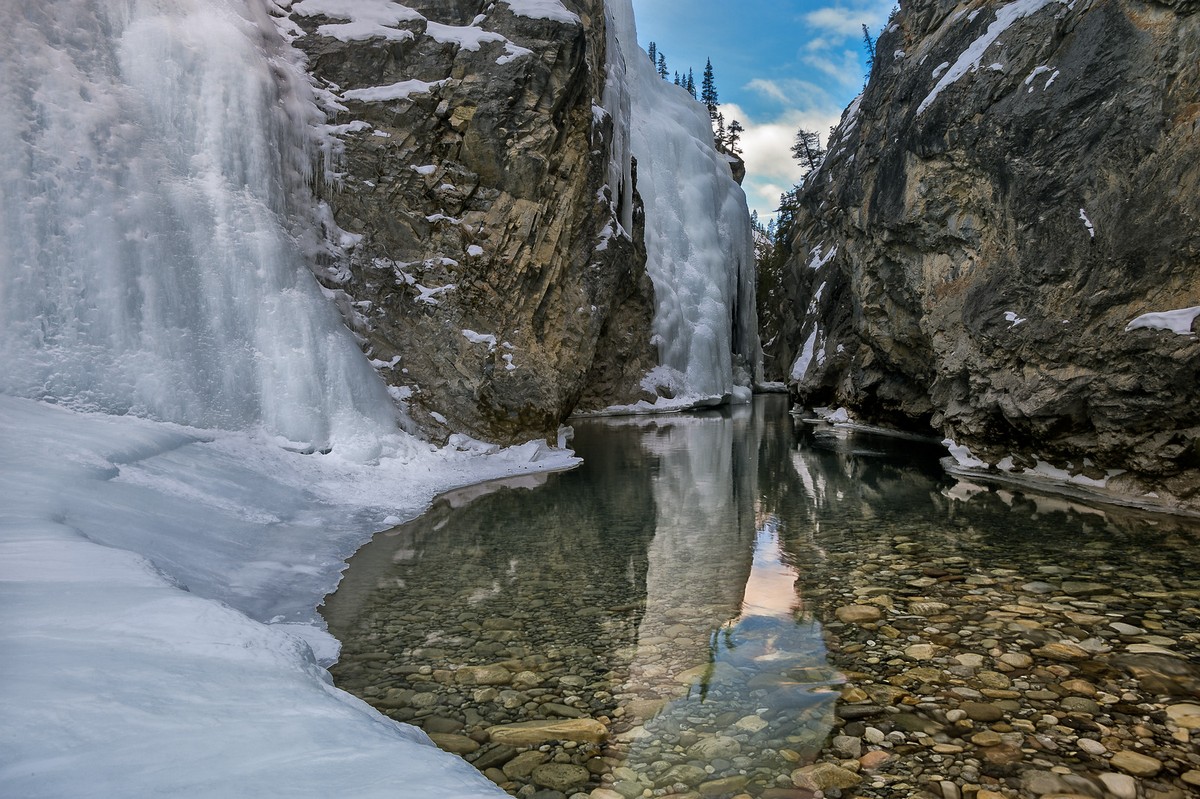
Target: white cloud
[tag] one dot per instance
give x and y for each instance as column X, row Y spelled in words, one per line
column 767, row 150
column 846, row 21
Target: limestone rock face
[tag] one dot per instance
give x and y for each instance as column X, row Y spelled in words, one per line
column 1017, row 183
column 483, row 269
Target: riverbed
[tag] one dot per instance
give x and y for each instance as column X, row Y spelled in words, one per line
column 735, row 604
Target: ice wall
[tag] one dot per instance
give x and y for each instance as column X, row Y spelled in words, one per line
column 154, row 155
column 700, row 252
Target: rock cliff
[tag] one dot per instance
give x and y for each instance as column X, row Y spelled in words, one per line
column 1016, row 185
column 484, row 266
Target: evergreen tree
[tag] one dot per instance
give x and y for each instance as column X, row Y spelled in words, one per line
column 869, row 46
column 690, row 83
column 720, row 131
column 652, row 51
column 662, row 65
column 734, row 138
column 708, row 90
column 807, row 149
column 678, row 81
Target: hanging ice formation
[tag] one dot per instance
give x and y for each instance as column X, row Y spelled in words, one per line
column 700, row 252
column 153, row 155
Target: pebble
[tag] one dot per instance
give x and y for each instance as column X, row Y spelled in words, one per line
column 1138, row 765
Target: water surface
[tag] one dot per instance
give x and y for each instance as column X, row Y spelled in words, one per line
column 681, row 588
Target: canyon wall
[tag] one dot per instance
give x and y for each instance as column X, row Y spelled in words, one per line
column 1018, row 184
column 488, row 262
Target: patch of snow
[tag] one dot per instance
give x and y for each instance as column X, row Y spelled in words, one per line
column 437, row 417
column 480, row 338
column 426, row 169
column 435, row 218
column 969, row 59
column 466, row 37
column 542, row 9
column 383, row 134
column 366, row 19
column 508, row 361
column 393, row 91
column 1012, row 318
column 838, row 416
column 1039, row 70
column 512, row 53
column 818, row 259
column 962, row 455
column 1179, row 321
column 349, row 127
column 1087, row 223
column 474, row 250
column 802, row 362
column 429, row 295
column 940, row 68
column 897, row 55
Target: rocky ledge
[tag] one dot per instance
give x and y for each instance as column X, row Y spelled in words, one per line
column 1016, row 189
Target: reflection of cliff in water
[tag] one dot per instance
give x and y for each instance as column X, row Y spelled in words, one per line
column 847, row 495
column 511, row 573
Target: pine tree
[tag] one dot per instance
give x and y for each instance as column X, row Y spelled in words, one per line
column 652, row 51
column 734, row 138
column 807, row 149
column 678, row 80
column 869, row 46
column 720, row 131
column 708, row 90
column 690, row 83
column 662, row 65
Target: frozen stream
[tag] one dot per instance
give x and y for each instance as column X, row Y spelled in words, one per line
column 725, row 604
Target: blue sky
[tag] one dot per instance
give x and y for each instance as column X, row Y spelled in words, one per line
column 779, row 65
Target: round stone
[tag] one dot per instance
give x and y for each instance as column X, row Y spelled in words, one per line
column 858, row 614
column 560, row 776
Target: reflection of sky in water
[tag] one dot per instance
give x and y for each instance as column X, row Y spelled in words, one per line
column 770, row 588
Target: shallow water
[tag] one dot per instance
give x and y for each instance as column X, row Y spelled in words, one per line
column 683, row 589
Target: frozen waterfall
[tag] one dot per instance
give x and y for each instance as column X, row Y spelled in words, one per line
column 700, row 252
column 154, row 155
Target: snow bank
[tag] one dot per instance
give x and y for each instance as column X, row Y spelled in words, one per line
column 158, row 586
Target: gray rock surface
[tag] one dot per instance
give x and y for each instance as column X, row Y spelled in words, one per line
column 477, row 202
column 994, row 238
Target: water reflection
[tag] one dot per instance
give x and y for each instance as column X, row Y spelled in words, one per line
column 680, row 589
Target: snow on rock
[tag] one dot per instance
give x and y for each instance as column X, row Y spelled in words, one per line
column 480, row 338
column 1179, row 321
column 818, row 259
column 805, row 358
column 969, row 59
column 542, row 9
column 1012, row 318
column 1091, row 229
column 401, row 90
column 962, row 455
column 365, row 19
column 466, row 37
